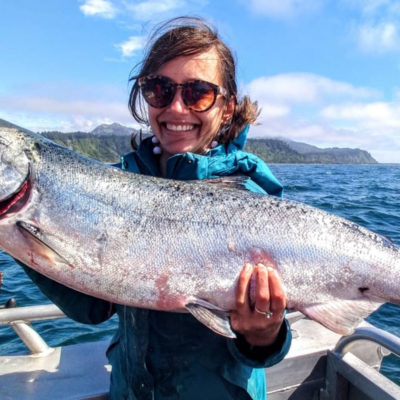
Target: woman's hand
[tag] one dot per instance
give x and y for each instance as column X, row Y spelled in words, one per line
column 260, row 322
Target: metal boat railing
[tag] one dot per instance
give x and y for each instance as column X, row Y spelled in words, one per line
column 350, row 378
column 79, row 371
column 19, row 318
column 348, row 372
column 372, row 334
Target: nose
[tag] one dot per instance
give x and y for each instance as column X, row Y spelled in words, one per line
column 177, row 105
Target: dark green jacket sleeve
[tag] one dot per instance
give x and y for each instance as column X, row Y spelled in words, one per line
column 78, row 306
column 262, row 357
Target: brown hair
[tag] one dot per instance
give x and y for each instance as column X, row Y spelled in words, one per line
column 185, row 36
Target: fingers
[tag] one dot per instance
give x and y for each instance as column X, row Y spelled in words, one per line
column 277, row 292
column 269, row 294
column 243, row 289
column 262, row 299
column 251, row 317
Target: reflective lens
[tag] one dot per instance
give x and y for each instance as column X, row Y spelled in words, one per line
column 197, row 95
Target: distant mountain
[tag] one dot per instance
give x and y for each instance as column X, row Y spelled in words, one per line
column 107, row 142
column 114, row 129
column 106, row 148
column 300, row 147
column 277, row 150
column 6, row 124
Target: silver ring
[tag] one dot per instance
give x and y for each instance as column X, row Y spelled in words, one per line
column 268, row 314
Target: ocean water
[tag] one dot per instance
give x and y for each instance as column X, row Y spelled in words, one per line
column 366, row 194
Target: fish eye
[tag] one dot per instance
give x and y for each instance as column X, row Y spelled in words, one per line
column 363, row 289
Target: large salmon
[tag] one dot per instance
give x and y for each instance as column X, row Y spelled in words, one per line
column 179, row 246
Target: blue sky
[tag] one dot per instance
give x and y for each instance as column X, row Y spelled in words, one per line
column 325, row 72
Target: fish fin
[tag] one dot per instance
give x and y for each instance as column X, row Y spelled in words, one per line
column 212, row 317
column 341, row 316
column 229, row 182
column 36, row 241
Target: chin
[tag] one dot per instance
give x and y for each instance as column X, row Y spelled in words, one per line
column 178, row 148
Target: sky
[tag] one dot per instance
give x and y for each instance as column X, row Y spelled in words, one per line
column 324, row 72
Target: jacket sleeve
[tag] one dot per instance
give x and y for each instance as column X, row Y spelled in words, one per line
column 77, row 306
column 262, row 357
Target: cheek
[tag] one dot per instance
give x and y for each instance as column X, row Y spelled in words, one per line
column 152, row 113
column 212, row 122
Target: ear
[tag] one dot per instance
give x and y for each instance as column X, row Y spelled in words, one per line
column 229, row 110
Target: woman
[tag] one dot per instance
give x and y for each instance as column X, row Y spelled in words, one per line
column 186, row 90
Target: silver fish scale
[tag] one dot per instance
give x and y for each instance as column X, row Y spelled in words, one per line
column 159, row 243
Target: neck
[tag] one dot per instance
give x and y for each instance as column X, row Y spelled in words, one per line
column 163, row 163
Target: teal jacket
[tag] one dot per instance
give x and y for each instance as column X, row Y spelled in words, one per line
column 165, row 356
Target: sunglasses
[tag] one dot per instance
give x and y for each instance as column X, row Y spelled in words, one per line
column 197, row 95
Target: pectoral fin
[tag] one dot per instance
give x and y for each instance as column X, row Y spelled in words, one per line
column 212, row 317
column 341, row 316
column 37, row 243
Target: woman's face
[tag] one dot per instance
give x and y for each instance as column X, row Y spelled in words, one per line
column 178, row 128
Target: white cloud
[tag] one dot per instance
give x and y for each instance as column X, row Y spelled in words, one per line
column 137, row 16
column 51, row 113
column 282, row 9
column 40, row 104
column 321, row 111
column 41, row 122
column 304, row 107
column 304, row 88
column 147, row 9
column 291, row 129
column 374, row 8
column 379, row 38
column 396, row 93
column 377, row 115
column 272, row 111
column 383, row 145
column 100, row 8
column 374, row 126
column 376, row 29
column 386, row 156
column 317, row 133
column 133, row 44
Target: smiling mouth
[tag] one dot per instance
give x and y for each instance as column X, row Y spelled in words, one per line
column 179, row 127
column 17, row 200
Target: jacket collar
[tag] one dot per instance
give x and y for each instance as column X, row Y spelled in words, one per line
column 223, row 160
column 190, row 161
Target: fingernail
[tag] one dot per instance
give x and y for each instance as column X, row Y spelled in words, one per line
column 262, row 267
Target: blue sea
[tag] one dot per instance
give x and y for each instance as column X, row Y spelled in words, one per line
column 366, row 194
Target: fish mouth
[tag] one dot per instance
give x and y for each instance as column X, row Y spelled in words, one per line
column 16, row 201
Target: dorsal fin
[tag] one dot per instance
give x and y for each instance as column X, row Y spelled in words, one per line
column 229, row 182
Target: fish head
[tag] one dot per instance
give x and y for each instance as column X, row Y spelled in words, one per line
column 15, row 169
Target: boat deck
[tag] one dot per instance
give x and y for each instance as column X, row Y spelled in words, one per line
column 72, row 372
column 320, row 365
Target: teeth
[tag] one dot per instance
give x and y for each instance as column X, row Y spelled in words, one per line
column 173, row 127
